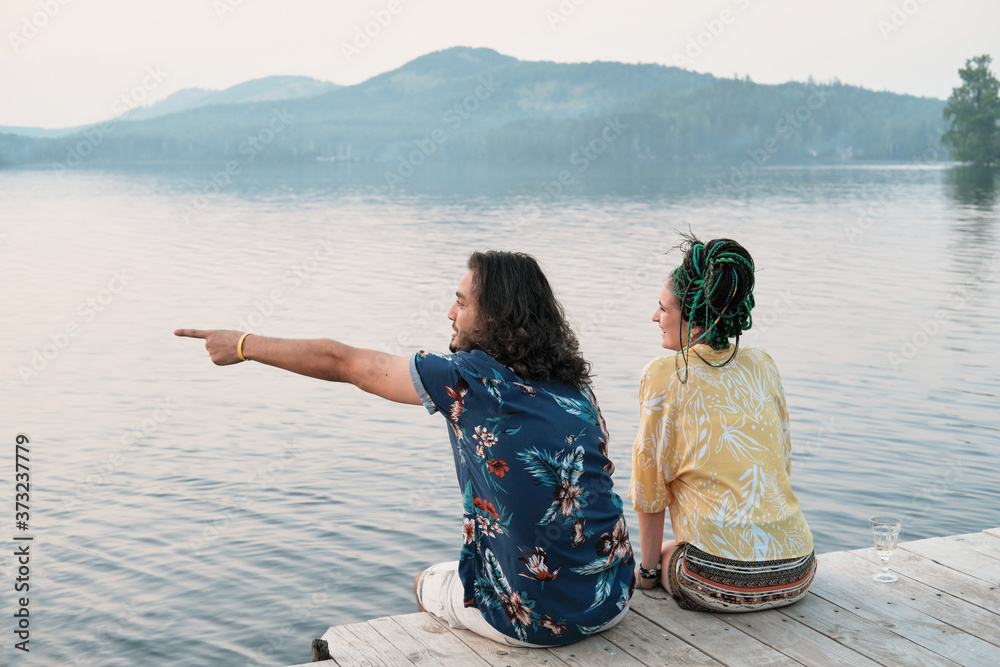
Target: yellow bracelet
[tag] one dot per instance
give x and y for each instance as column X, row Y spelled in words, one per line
column 239, row 347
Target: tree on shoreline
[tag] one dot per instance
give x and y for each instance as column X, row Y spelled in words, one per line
column 974, row 112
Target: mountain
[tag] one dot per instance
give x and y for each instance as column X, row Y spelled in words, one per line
column 271, row 88
column 474, row 104
column 41, row 131
column 182, row 100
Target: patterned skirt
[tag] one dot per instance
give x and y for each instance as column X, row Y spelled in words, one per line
column 702, row 582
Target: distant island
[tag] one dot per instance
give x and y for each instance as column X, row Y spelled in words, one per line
column 477, row 105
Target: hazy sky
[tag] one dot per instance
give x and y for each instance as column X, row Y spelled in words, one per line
column 65, row 62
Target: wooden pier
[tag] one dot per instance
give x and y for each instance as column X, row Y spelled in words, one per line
column 944, row 610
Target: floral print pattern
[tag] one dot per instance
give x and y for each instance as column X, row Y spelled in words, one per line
column 538, row 565
column 717, row 453
column 545, row 551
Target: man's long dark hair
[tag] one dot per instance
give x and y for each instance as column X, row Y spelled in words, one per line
column 521, row 324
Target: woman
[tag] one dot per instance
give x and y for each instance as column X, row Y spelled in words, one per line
column 713, row 448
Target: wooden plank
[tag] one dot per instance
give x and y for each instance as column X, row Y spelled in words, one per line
column 944, row 579
column 947, row 603
column 439, row 635
column 870, row 639
column 594, row 651
column 705, row 632
column 359, row 645
column 425, row 642
column 870, row 602
column 500, row 655
column 321, row 663
column 980, row 542
column 950, row 553
column 795, row 639
column 648, row 643
column 952, row 610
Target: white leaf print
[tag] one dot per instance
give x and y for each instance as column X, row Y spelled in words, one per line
column 756, row 388
column 704, row 375
column 724, row 511
column 653, row 402
column 730, row 407
column 494, row 574
column 646, row 460
column 572, row 466
column 695, row 411
column 752, row 492
column 719, row 544
column 637, row 491
column 739, row 443
column 776, row 498
column 765, row 546
column 795, row 542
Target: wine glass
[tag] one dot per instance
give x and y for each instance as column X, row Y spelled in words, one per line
column 886, row 531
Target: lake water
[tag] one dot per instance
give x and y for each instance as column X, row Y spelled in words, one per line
column 188, row 514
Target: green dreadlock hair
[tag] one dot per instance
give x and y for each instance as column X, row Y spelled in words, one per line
column 714, row 287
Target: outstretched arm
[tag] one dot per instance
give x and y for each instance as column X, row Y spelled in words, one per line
column 379, row 373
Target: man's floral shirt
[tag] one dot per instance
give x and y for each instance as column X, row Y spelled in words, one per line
column 546, row 555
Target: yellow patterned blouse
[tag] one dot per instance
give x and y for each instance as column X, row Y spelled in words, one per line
column 716, row 453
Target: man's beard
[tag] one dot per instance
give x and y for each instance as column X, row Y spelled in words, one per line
column 463, row 343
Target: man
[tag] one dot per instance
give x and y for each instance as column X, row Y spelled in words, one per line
column 546, row 558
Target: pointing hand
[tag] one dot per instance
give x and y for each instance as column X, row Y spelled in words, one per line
column 220, row 343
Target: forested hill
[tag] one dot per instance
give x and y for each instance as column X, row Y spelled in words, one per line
column 466, row 104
